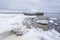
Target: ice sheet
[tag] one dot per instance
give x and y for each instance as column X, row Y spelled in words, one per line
column 10, row 21
column 36, row 34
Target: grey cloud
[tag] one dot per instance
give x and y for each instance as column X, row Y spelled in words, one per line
column 30, row 5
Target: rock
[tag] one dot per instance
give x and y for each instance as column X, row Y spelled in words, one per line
column 19, row 33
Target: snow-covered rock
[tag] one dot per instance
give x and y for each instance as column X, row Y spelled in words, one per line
column 51, row 21
column 42, row 21
column 53, row 18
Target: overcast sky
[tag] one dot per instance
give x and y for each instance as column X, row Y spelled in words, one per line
column 30, row 5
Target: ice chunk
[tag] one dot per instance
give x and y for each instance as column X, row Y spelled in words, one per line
column 42, row 21
column 53, row 18
column 51, row 21
column 56, row 23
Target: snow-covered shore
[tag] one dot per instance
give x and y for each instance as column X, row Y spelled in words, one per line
column 12, row 21
column 36, row 34
column 9, row 22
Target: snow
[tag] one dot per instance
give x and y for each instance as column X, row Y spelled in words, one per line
column 11, row 21
column 42, row 21
column 36, row 34
column 51, row 21
column 53, row 18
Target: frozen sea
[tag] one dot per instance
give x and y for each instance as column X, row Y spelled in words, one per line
column 13, row 20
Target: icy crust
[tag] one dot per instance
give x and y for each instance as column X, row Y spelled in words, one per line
column 9, row 22
column 39, row 34
column 36, row 34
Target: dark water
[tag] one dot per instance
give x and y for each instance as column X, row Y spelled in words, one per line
column 49, row 15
